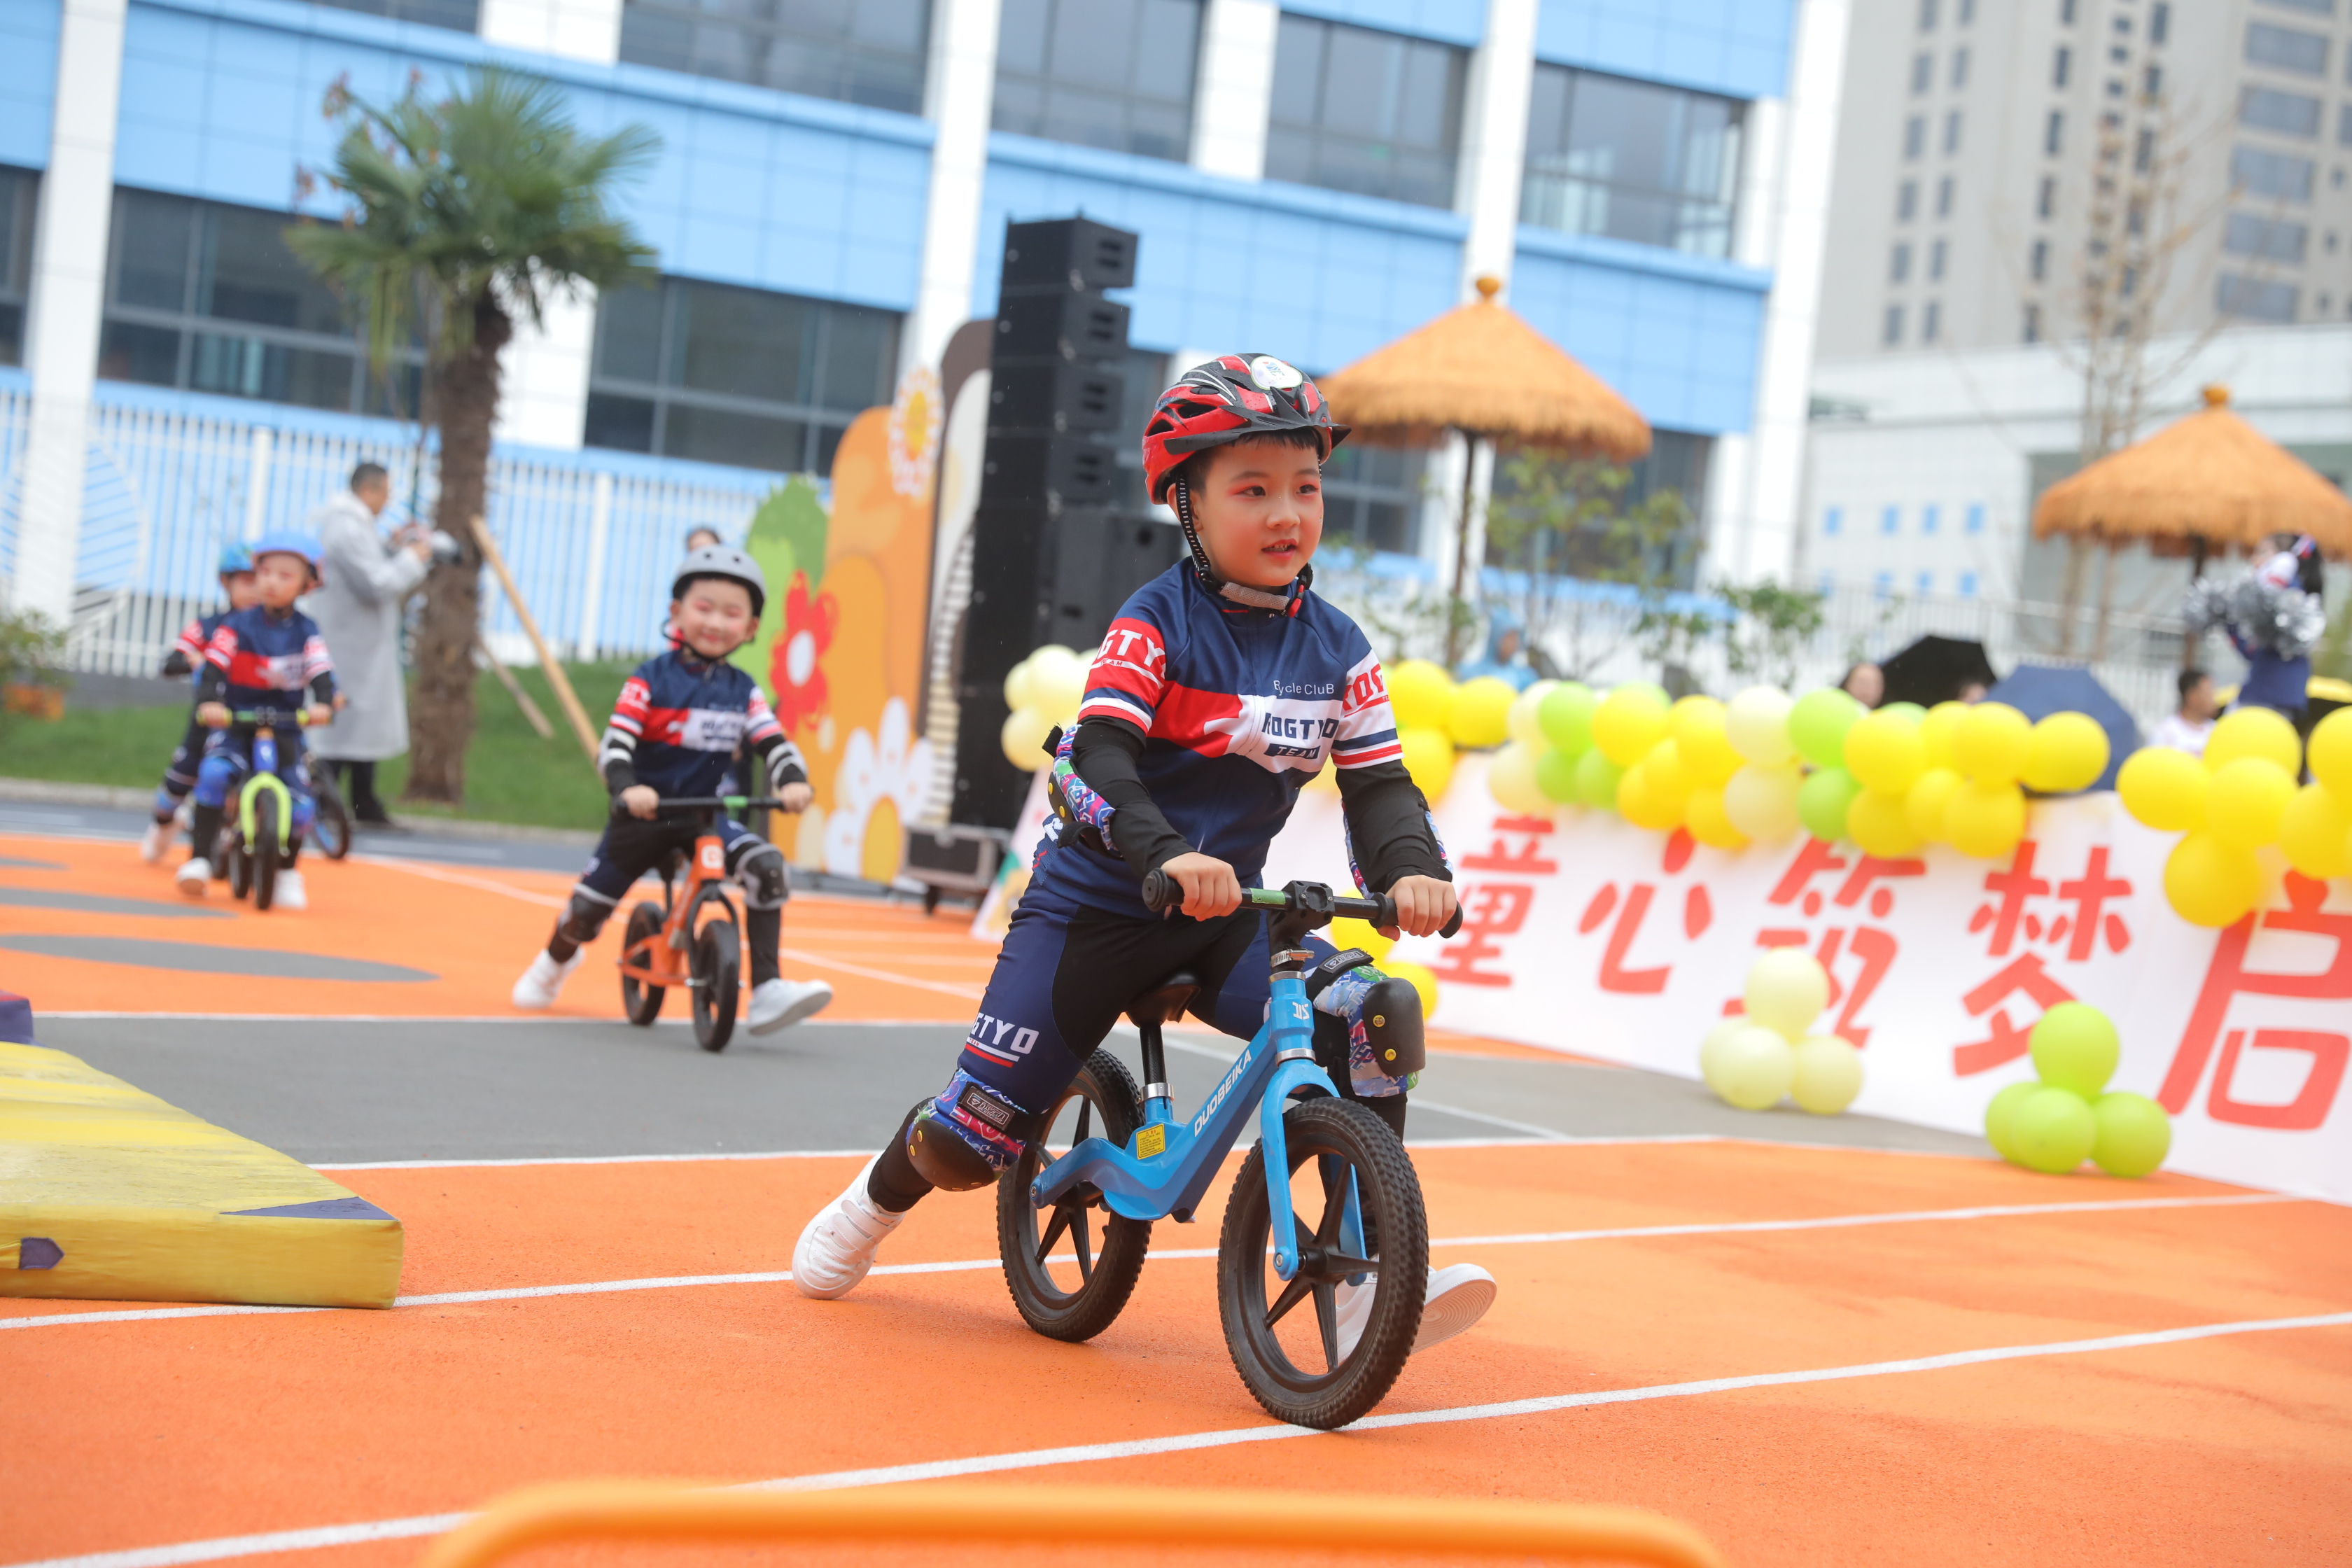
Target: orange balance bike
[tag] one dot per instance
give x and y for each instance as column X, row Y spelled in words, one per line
column 693, row 937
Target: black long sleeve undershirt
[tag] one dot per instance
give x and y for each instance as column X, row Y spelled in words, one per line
column 212, row 686
column 1387, row 817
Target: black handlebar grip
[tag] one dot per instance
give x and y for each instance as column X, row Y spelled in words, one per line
column 1453, row 923
column 1161, row 892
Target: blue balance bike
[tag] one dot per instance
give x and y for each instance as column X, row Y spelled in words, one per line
column 1364, row 1231
column 255, row 837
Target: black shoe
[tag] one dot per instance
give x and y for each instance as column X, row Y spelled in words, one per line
column 372, row 813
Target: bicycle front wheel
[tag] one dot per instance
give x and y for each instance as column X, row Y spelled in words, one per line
column 266, row 854
column 1069, row 1282
column 331, row 823
column 1312, row 1349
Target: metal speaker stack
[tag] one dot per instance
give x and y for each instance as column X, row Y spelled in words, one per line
column 1053, row 556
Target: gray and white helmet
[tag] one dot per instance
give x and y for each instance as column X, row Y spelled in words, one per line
column 721, row 561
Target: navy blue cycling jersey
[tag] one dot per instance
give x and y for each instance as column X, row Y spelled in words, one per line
column 1239, row 709
column 259, row 657
column 679, row 721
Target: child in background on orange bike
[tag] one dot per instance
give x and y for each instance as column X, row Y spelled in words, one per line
column 1225, row 683
column 187, row 657
column 262, row 657
column 674, row 734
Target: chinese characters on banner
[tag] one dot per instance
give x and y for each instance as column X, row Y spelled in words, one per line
column 1584, row 934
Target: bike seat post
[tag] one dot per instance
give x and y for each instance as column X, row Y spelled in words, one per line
column 1155, row 1070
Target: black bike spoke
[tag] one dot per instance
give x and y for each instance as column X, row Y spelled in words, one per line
column 1086, row 1247
column 1054, row 1228
column 1327, row 1318
column 1341, row 1264
column 1085, row 1113
column 1292, row 1294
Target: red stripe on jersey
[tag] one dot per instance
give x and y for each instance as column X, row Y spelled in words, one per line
column 760, row 720
column 191, row 641
column 1185, row 717
column 1368, row 755
column 1133, row 659
column 634, row 699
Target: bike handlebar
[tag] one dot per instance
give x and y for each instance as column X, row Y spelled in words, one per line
column 705, row 803
column 270, row 718
column 1162, row 892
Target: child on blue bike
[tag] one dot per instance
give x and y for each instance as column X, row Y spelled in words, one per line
column 262, row 658
column 1223, row 686
column 187, row 657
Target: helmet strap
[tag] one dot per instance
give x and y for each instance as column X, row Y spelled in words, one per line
column 1240, row 594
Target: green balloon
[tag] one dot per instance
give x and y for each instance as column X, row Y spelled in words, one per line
column 1565, row 716
column 2053, row 1131
column 2075, row 1047
column 1998, row 1114
column 1596, row 780
column 1817, row 723
column 1822, row 801
column 1556, row 775
column 2133, row 1135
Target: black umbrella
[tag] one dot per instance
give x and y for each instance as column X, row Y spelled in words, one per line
column 2038, row 690
column 1934, row 669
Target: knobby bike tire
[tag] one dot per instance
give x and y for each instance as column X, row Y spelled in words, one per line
column 266, row 853
column 331, row 820
column 717, row 983
column 642, row 1003
column 1107, row 1094
column 235, row 857
column 1390, row 1194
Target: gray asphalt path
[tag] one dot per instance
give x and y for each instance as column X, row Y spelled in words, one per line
column 339, row 1091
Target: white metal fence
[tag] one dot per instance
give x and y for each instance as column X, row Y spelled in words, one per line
column 165, row 491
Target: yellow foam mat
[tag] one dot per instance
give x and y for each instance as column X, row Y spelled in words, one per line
column 109, row 1194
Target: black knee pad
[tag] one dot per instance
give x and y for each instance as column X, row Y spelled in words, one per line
column 1392, row 1022
column 584, row 918
column 943, row 1159
column 760, row 874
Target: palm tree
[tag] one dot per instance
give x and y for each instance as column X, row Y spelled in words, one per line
column 466, row 214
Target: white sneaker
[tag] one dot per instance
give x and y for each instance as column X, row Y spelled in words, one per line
column 776, row 1003
column 156, row 842
column 1459, row 1295
column 195, row 873
column 837, row 1247
column 289, row 893
column 544, row 980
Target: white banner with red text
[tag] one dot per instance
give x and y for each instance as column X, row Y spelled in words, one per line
column 1582, row 933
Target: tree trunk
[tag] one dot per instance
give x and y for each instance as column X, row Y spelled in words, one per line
column 441, row 719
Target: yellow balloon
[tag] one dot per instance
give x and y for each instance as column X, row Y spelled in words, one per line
column 1480, row 714
column 1526, row 720
column 1937, row 731
column 1669, row 773
column 1828, row 1074
column 1880, row 825
column 2330, row 756
column 1985, row 820
column 1757, row 724
column 2164, row 789
column 1924, row 805
column 1703, row 813
column 1644, row 806
column 1023, row 736
column 1347, row 933
column 1420, row 694
column 1428, row 757
column 2068, row 752
column 1016, row 684
column 1787, row 989
column 1991, row 743
column 2316, row 832
column 1421, row 979
column 1885, row 752
column 2210, row 883
column 2254, row 733
column 1696, row 724
column 1057, row 683
column 1753, row 1068
column 1629, row 721
column 1761, row 801
column 1511, row 778
column 2247, row 802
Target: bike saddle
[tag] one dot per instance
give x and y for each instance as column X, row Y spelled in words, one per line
column 1164, row 1003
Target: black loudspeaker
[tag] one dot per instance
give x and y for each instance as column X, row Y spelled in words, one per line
column 1060, row 325
column 1074, row 253
column 1070, row 396
column 1049, row 471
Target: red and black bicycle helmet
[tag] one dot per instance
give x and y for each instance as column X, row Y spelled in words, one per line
column 1230, row 399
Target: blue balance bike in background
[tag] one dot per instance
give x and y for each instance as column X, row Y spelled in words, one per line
column 257, row 830
column 1322, row 1367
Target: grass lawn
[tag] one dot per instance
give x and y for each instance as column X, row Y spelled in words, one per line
column 511, row 776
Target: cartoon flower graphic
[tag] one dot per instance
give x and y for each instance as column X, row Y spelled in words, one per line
column 884, row 782
column 916, row 417
column 792, row 673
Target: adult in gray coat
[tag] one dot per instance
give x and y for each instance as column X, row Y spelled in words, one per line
column 368, row 580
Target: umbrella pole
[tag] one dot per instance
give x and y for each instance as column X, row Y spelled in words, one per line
column 1454, row 611
column 2191, row 644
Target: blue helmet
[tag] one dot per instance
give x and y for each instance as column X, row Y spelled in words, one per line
column 234, row 559
column 290, row 542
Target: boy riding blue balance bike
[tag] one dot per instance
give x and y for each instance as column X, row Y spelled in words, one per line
column 187, row 657
column 667, row 748
column 256, row 667
column 1223, row 686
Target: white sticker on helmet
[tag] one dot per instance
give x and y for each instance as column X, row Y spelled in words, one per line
column 1273, row 376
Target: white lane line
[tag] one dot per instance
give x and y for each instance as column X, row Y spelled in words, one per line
column 591, row 1160
column 459, row 879
column 1527, row 1238
column 801, row 955
column 1085, row 1452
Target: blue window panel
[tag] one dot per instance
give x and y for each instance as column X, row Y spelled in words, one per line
column 1737, row 47
column 1448, row 21
column 1890, row 520
column 1828, row 583
column 1675, row 336
column 251, row 170
column 1928, row 516
column 1926, row 583
column 716, row 136
column 1967, row 584
column 1976, row 518
column 29, row 42
column 1833, row 519
column 1882, row 584
column 713, row 247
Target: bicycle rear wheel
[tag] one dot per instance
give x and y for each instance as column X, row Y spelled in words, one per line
column 1065, row 1288
column 718, row 984
column 265, row 853
column 234, row 857
column 1286, row 1337
column 641, row 1002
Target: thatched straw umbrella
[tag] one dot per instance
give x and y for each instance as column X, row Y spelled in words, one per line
column 1483, row 371
column 2205, row 482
